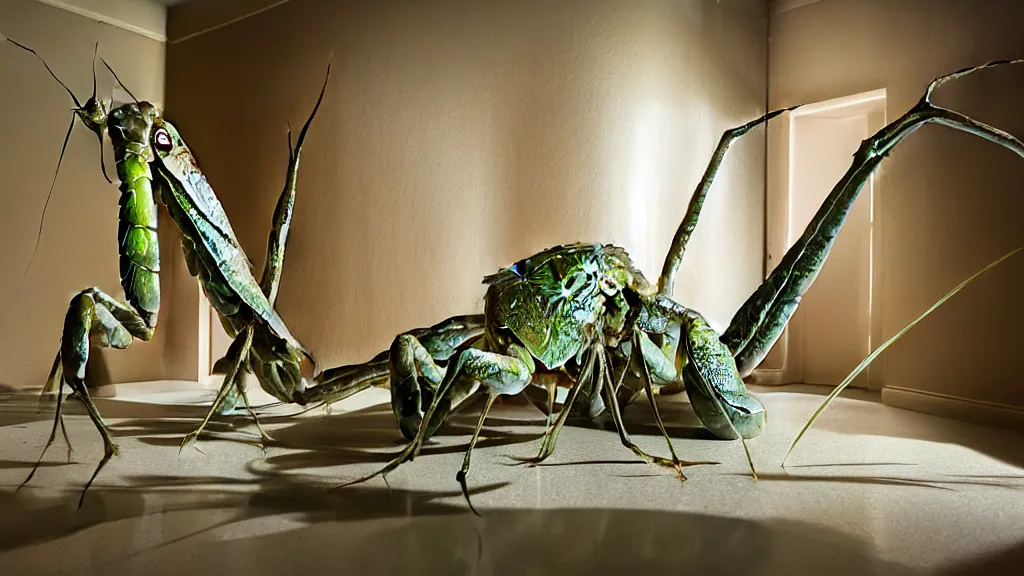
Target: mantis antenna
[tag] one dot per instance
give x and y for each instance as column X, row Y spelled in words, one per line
column 67, row 136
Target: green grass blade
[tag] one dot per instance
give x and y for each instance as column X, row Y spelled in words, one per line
column 871, row 357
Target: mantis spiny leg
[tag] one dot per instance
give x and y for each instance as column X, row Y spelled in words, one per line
column 264, row 342
column 237, row 352
column 500, row 374
column 51, row 391
column 666, row 283
column 438, row 342
column 547, row 444
column 336, row 384
column 675, row 463
column 648, row 390
column 760, row 321
column 464, row 471
column 92, row 318
column 416, row 382
column 59, row 417
column 544, row 401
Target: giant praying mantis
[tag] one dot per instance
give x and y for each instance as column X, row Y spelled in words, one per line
column 152, row 162
column 572, row 314
column 584, row 312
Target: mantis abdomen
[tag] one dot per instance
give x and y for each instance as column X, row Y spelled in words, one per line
column 137, row 239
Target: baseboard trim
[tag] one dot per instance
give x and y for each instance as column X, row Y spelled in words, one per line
column 144, row 387
column 954, row 407
column 104, row 391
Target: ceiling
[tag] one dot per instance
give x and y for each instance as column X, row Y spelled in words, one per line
column 145, row 17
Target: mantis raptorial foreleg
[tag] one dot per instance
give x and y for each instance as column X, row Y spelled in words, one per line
column 92, row 318
column 241, row 357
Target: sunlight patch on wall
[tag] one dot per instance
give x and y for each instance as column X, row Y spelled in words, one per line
column 649, row 135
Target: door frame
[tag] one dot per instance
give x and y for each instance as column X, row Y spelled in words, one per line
column 778, row 367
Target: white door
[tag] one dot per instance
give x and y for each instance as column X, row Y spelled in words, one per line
column 831, row 330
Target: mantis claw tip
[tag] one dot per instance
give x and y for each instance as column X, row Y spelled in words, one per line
column 461, row 479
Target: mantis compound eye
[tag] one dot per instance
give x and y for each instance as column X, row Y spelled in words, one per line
column 609, row 286
column 162, row 141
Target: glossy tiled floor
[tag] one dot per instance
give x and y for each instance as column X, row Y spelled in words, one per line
column 871, row 490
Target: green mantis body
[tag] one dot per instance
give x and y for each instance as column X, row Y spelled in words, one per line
column 584, row 311
column 154, row 165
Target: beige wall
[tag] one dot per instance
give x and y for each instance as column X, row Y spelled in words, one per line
column 459, row 136
column 948, row 203
column 79, row 243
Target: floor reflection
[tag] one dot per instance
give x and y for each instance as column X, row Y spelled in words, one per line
column 872, row 491
column 369, row 530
